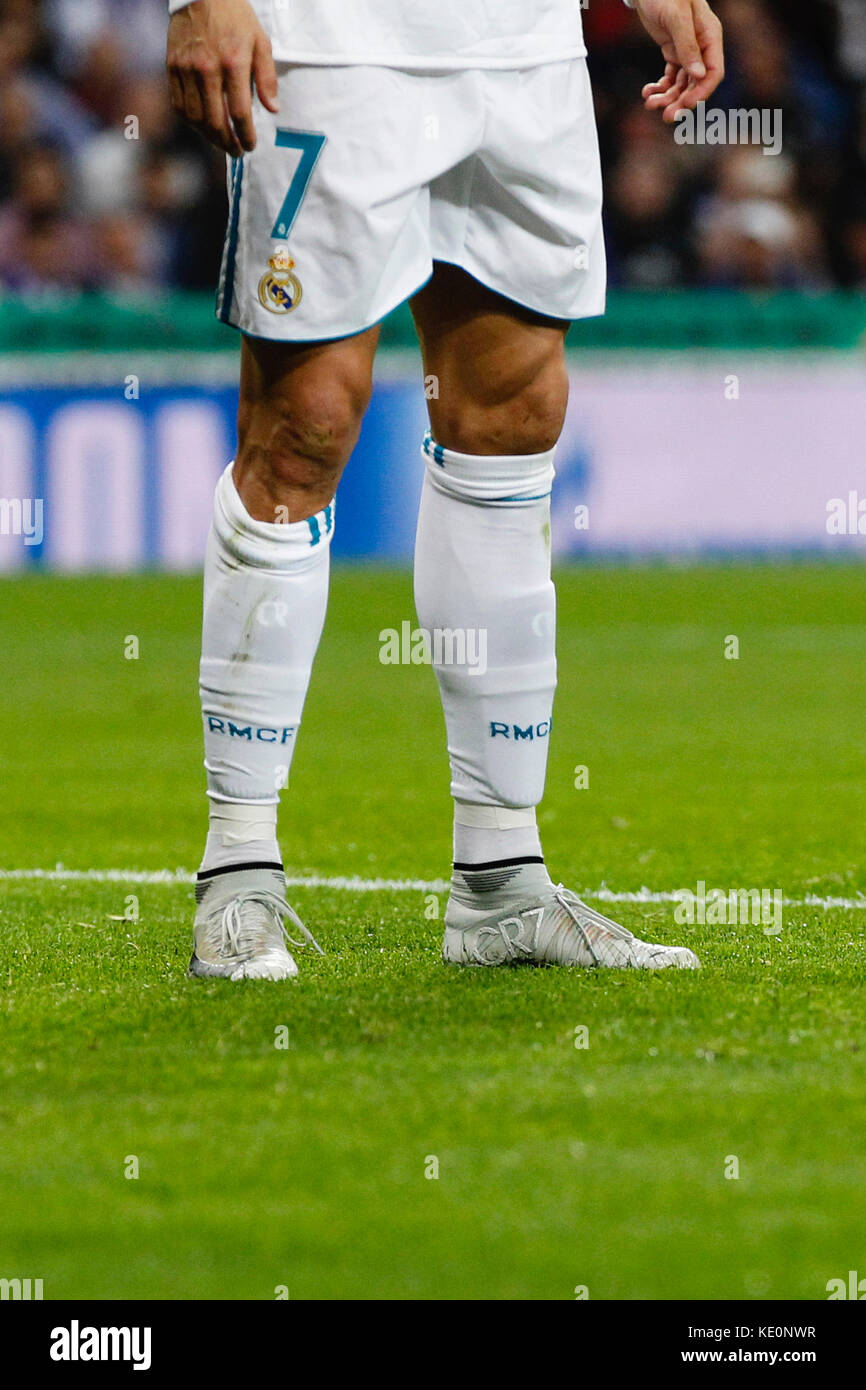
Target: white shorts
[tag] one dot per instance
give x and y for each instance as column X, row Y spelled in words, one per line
column 369, row 174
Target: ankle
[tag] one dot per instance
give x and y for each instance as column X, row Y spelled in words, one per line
column 241, row 833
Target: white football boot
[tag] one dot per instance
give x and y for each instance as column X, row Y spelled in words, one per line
column 239, row 926
column 550, row 927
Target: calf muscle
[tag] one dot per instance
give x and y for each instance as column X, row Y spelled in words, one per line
column 499, row 369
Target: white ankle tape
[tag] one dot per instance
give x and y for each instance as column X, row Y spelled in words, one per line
column 493, row 817
column 239, row 822
column 515, row 480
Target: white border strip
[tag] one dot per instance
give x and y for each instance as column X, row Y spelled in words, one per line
column 183, row 367
column 60, row 874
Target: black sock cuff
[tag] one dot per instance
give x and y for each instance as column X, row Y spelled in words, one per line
column 204, row 874
column 500, row 863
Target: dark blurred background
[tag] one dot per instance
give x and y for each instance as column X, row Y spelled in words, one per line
column 84, row 206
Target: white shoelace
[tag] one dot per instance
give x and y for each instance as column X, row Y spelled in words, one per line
column 513, row 947
column 233, row 928
column 566, row 899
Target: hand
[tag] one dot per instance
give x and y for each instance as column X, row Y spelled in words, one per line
column 217, row 50
column 690, row 38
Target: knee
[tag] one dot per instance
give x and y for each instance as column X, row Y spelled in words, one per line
column 312, row 435
column 525, row 417
column 299, row 440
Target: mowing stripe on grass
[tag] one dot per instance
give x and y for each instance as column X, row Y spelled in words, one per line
column 377, row 885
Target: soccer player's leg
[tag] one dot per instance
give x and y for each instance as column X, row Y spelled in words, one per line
column 265, row 593
column 326, row 234
column 482, row 568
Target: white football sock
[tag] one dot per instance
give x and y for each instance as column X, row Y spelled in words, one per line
column 482, row 570
column 265, row 595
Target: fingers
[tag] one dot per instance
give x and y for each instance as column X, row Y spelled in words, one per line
column 684, row 97
column 192, row 108
column 688, row 79
column 265, row 74
column 686, row 93
column 684, row 39
column 175, row 90
column 711, row 39
column 197, row 97
column 215, row 122
column 211, row 75
column 658, row 95
column 239, row 102
column 664, row 84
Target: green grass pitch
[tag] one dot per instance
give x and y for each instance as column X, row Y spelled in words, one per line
column 559, row 1167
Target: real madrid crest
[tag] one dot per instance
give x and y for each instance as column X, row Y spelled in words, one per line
column 279, row 289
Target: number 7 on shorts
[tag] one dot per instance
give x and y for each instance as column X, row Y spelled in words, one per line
column 310, row 143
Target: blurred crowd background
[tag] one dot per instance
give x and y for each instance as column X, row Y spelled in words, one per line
column 83, row 205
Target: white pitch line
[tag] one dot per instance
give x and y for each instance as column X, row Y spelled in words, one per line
column 355, row 884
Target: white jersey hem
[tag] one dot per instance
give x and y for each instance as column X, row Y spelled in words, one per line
column 408, row 62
